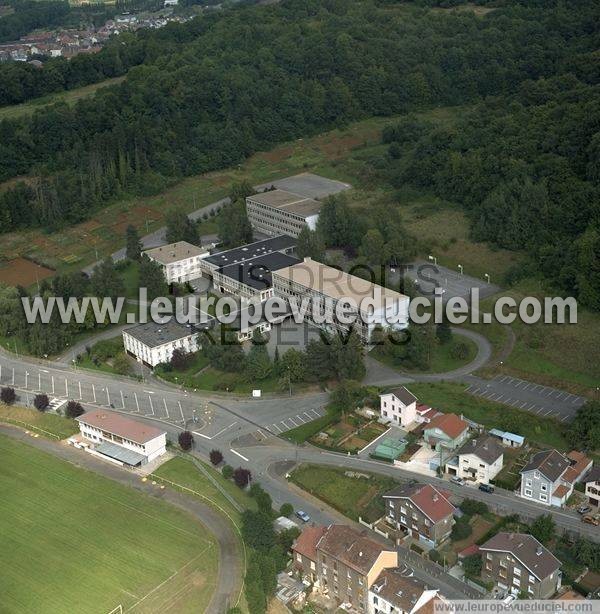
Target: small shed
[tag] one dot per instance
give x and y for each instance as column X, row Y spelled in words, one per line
column 510, row 440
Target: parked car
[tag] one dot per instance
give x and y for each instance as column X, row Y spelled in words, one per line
column 486, row 488
column 303, row 516
column 584, row 509
column 456, row 480
column 592, row 519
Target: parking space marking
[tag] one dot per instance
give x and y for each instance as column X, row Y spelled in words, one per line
column 298, row 417
column 276, row 427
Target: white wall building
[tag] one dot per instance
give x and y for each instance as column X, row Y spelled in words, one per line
column 398, row 406
column 278, row 212
column 394, row 593
column 479, row 460
column 153, row 343
column 327, row 290
column 180, row 261
column 122, row 439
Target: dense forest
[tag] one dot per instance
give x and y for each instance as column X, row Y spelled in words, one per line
column 524, row 163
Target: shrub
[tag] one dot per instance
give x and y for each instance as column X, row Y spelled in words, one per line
column 227, row 472
column 286, row 510
column 121, row 364
column 216, row 458
column 181, row 360
column 186, row 440
column 472, row 565
column 460, row 351
column 41, row 402
column 435, row 556
column 74, row 409
column 8, row 395
column 242, row 477
column 461, row 530
column 472, row 507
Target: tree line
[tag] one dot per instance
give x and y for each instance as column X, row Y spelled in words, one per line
column 228, row 84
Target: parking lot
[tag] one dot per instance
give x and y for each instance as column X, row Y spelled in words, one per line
column 428, row 276
column 535, row 398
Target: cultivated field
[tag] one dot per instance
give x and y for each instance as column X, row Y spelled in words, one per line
column 20, row 271
column 76, row 542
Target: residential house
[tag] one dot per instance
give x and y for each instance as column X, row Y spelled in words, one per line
column 518, row 563
column 549, row 477
column 592, row 486
column 421, row 510
column 394, row 593
column 120, row 439
column 446, row 431
column 398, row 406
column 478, row 460
column 342, row 563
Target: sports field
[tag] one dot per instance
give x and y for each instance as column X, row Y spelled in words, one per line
column 73, row 541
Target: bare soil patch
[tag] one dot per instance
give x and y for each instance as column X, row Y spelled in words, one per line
column 21, row 271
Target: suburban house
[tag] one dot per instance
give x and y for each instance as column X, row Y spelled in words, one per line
column 329, row 290
column 478, row 460
column 592, row 486
column 276, row 212
column 341, row 563
column 398, row 406
column 245, row 271
column 446, row 431
column 549, row 477
column 421, row 510
column 426, row 414
column 153, row 343
column 394, row 593
column 180, row 261
column 518, row 563
column 510, row 440
column 121, row 439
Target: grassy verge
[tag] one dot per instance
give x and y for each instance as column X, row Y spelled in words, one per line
column 301, row 433
column 50, row 426
column 55, row 517
column 352, row 496
column 452, row 397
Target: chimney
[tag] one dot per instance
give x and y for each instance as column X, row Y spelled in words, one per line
column 539, row 551
column 435, row 498
column 307, row 259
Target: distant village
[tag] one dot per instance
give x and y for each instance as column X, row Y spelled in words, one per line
column 70, row 42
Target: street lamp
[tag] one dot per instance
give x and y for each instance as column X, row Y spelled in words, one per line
column 433, row 258
column 487, row 276
column 460, row 267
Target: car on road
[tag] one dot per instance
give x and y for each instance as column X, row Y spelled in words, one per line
column 486, row 488
column 592, row 519
column 584, row 509
column 456, row 480
column 303, row 516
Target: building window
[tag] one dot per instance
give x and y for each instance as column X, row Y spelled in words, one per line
column 543, row 487
column 543, row 497
column 527, row 492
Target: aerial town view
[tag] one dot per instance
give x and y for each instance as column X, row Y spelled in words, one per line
column 299, row 306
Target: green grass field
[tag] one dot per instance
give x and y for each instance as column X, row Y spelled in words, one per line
column 352, row 496
column 70, row 97
column 49, row 426
column 76, row 542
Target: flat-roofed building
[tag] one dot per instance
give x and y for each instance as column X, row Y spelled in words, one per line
column 326, row 287
column 180, row 261
column 121, row 439
column 154, row 343
column 245, row 272
column 278, row 212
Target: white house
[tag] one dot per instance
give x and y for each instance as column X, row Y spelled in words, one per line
column 180, row 261
column 154, row 343
column 398, row 406
column 122, row 439
column 479, row 460
column 592, row 486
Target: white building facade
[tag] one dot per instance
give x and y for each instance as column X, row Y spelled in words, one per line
column 180, row 261
column 399, row 406
column 154, row 343
column 104, row 427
